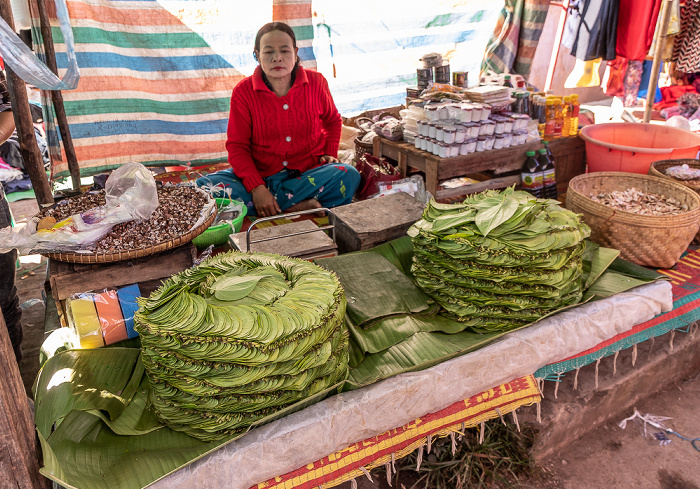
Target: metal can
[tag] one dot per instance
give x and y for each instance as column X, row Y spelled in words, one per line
column 459, row 79
column 442, row 74
column 425, row 77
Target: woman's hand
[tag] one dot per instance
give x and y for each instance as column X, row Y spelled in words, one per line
column 265, row 203
column 325, row 159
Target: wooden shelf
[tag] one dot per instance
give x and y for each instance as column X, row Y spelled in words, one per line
column 569, row 160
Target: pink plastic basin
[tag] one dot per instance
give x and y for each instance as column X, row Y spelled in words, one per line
column 633, row 147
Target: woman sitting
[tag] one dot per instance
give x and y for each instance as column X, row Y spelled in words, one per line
column 283, row 135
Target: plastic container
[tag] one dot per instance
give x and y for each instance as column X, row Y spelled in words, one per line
column 218, row 234
column 633, row 147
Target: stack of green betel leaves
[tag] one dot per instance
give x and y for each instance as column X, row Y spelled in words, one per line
column 499, row 260
column 238, row 338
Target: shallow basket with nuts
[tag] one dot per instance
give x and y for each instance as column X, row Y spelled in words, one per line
column 651, row 220
column 177, row 219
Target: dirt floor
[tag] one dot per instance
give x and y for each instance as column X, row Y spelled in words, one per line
column 607, row 457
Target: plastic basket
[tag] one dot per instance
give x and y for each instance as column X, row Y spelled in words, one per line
column 631, row 147
column 218, row 234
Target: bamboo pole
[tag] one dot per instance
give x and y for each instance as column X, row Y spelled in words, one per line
column 660, row 37
column 33, row 162
column 19, row 464
column 57, row 96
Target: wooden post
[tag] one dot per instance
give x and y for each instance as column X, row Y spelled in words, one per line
column 29, row 149
column 57, row 96
column 660, row 36
column 19, row 464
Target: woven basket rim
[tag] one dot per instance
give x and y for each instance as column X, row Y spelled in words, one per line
column 597, row 208
column 656, row 170
column 106, row 257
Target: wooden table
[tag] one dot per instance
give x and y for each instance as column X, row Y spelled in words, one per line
column 569, row 160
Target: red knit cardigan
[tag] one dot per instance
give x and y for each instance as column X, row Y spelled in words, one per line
column 267, row 133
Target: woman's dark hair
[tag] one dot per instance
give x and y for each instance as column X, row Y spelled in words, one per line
column 275, row 26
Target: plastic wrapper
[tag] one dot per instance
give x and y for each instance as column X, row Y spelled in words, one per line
column 413, row 186
column 389, row 128
column 441, row 91
column 683, row 172
column 28, row 67
column 130, row 194
column 102, row 318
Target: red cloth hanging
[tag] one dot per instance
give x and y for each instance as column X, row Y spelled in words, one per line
column 636, row 24
column 614, row 78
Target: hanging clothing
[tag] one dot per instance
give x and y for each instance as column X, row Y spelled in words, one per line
column 613, row 83
column 584, row 74
column 514, row 41
column 590, row 31
column 670, row 31
column 633, row 78
column 635, row 27
column 686, row 49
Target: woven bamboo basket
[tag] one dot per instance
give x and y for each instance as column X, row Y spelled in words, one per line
column 658, row 169
column 86, row 257
column 651, row 241
column 360, row 146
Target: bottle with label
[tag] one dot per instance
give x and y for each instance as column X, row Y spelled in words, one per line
column 558, row 118
column 549, row 178
column 575, row 107
column 541, row 117
column 507, row 82
column 550, row 119
column 532, row 176
column 566, row 114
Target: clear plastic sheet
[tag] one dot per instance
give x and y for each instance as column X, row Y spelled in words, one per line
column 31, row 69
column 335, row 423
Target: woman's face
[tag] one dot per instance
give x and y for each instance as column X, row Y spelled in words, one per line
column 277, row 55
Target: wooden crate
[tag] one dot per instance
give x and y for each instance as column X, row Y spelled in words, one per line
column 66, row 279
column 368, row 223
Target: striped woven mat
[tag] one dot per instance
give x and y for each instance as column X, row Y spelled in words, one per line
column 685, row 281
column 373, row 452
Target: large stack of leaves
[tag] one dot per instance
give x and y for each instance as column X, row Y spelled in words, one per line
column 499, row 260
column 240, row 337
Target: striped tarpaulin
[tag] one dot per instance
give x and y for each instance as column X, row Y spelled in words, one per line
column 514, row 41
column 156, row 75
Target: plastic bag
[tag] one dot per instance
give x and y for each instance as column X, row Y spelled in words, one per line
column 413, row 186
column 131, row 194
column 133, row 186
column 389, row 128
column 683, row 172
column 28, row 67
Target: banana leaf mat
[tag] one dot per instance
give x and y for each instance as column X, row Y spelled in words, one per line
column 91, row 407
column 685, row 282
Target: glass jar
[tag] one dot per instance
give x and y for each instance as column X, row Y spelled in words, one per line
column 499, row 124
column 454, row 150
column 508, row 124
column 436, row 148
column 507, row 140
column 416, row 141
column 449, row 134
column 431, row 112
column 472, row 129
column 465, row 114
column 489, row 142
column 471, row 145
column 439, row 132
column 443, row 112
column 460, row 134
column 423, row 143
column 476, row 113
column 444, row 150
column 481, row 144
column 485, row 112
column 420, row 125
column 498, row 141
column 429, row 145
column 432, row 129
column 490, row 128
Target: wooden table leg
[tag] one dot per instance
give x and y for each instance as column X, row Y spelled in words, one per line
column 431, row 176
column 403, row 166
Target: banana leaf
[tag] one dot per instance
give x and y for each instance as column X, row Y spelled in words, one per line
column 375, row 289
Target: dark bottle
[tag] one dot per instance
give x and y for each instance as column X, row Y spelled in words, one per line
column 507, row 82
column 532, row 176
column 549, row 177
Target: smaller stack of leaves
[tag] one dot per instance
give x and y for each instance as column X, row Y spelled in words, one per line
column 240, row 337
column 499, row 260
